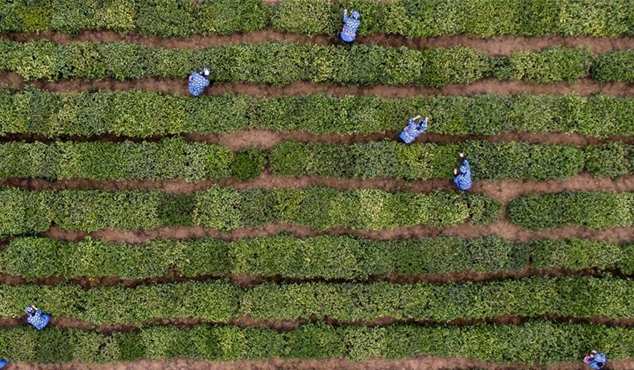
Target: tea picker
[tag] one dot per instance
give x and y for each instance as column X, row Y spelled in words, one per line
column 462, row 176
column 413, row 129
column 198, row 81
column 36, row 317
column 596, row 360
column 350, row 26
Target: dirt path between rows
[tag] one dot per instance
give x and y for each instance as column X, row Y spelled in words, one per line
column 497, row 45
column 265, row 181
column 188, row 322
column 420, row 362
column 266, row 139
column 502, row 229
column 282, row 326
column 502, row 190
column 249, row 281
column 583, row 87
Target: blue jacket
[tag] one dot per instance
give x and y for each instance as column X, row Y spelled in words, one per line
column 350, row 26
column 413, row 130
column 38, row 319
column 463, row 178
column 197, row 83
column 597, row 362
column 3, row 361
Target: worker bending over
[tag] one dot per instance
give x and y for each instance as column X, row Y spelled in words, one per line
column 198, row 81
column 350, row 26
column 462, row 176
column 413, row 129
column 36, row 317
column 596, row 360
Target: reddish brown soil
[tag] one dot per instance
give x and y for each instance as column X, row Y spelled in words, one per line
column 464, row 276
column 498, row 45
column 266, row 139
column 503, row 190
column 265, row 181
column 485, row 86
column 289, row 325
column 583, row 86
column 249, row 281
column 109, row 138
column 506, row 190
column 503, row 229
column 418, row 363
column 87, row 283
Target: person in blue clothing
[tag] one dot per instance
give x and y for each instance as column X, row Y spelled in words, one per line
column 350, row 26
column 413, row 129
column 596, row 360
column 3, row 361
column 462, row 176
column 36, row 318
column 198, row 81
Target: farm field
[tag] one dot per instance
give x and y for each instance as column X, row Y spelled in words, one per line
column 277, row 221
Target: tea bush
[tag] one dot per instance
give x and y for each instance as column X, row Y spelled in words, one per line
column 528, row 343
column 27, row 212
column 144, row 114
column 222, row 302
column 593, row 210
column 329, row 257
column 284, row 63
column 492, row 161
column 410, row 18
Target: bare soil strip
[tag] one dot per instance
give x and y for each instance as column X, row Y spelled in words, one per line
column 265, row 181
column 249, row 281
column 172, row 277
column 502, row 229
column 502, row 190
column 266, row 139
column 583, row 87
column 420, row 362
column 182, row 323
column 497, row 45
column 288, row 325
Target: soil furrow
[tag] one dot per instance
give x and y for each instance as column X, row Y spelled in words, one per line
column 420, row 362
column 502, row 190
column 249, row 281
column 288, row 325
column 584, row 87
column 498, row 45
column 266, row 139
column 502, row 229
column 265, row 181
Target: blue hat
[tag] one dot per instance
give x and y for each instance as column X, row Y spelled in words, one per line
column 356, row 15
